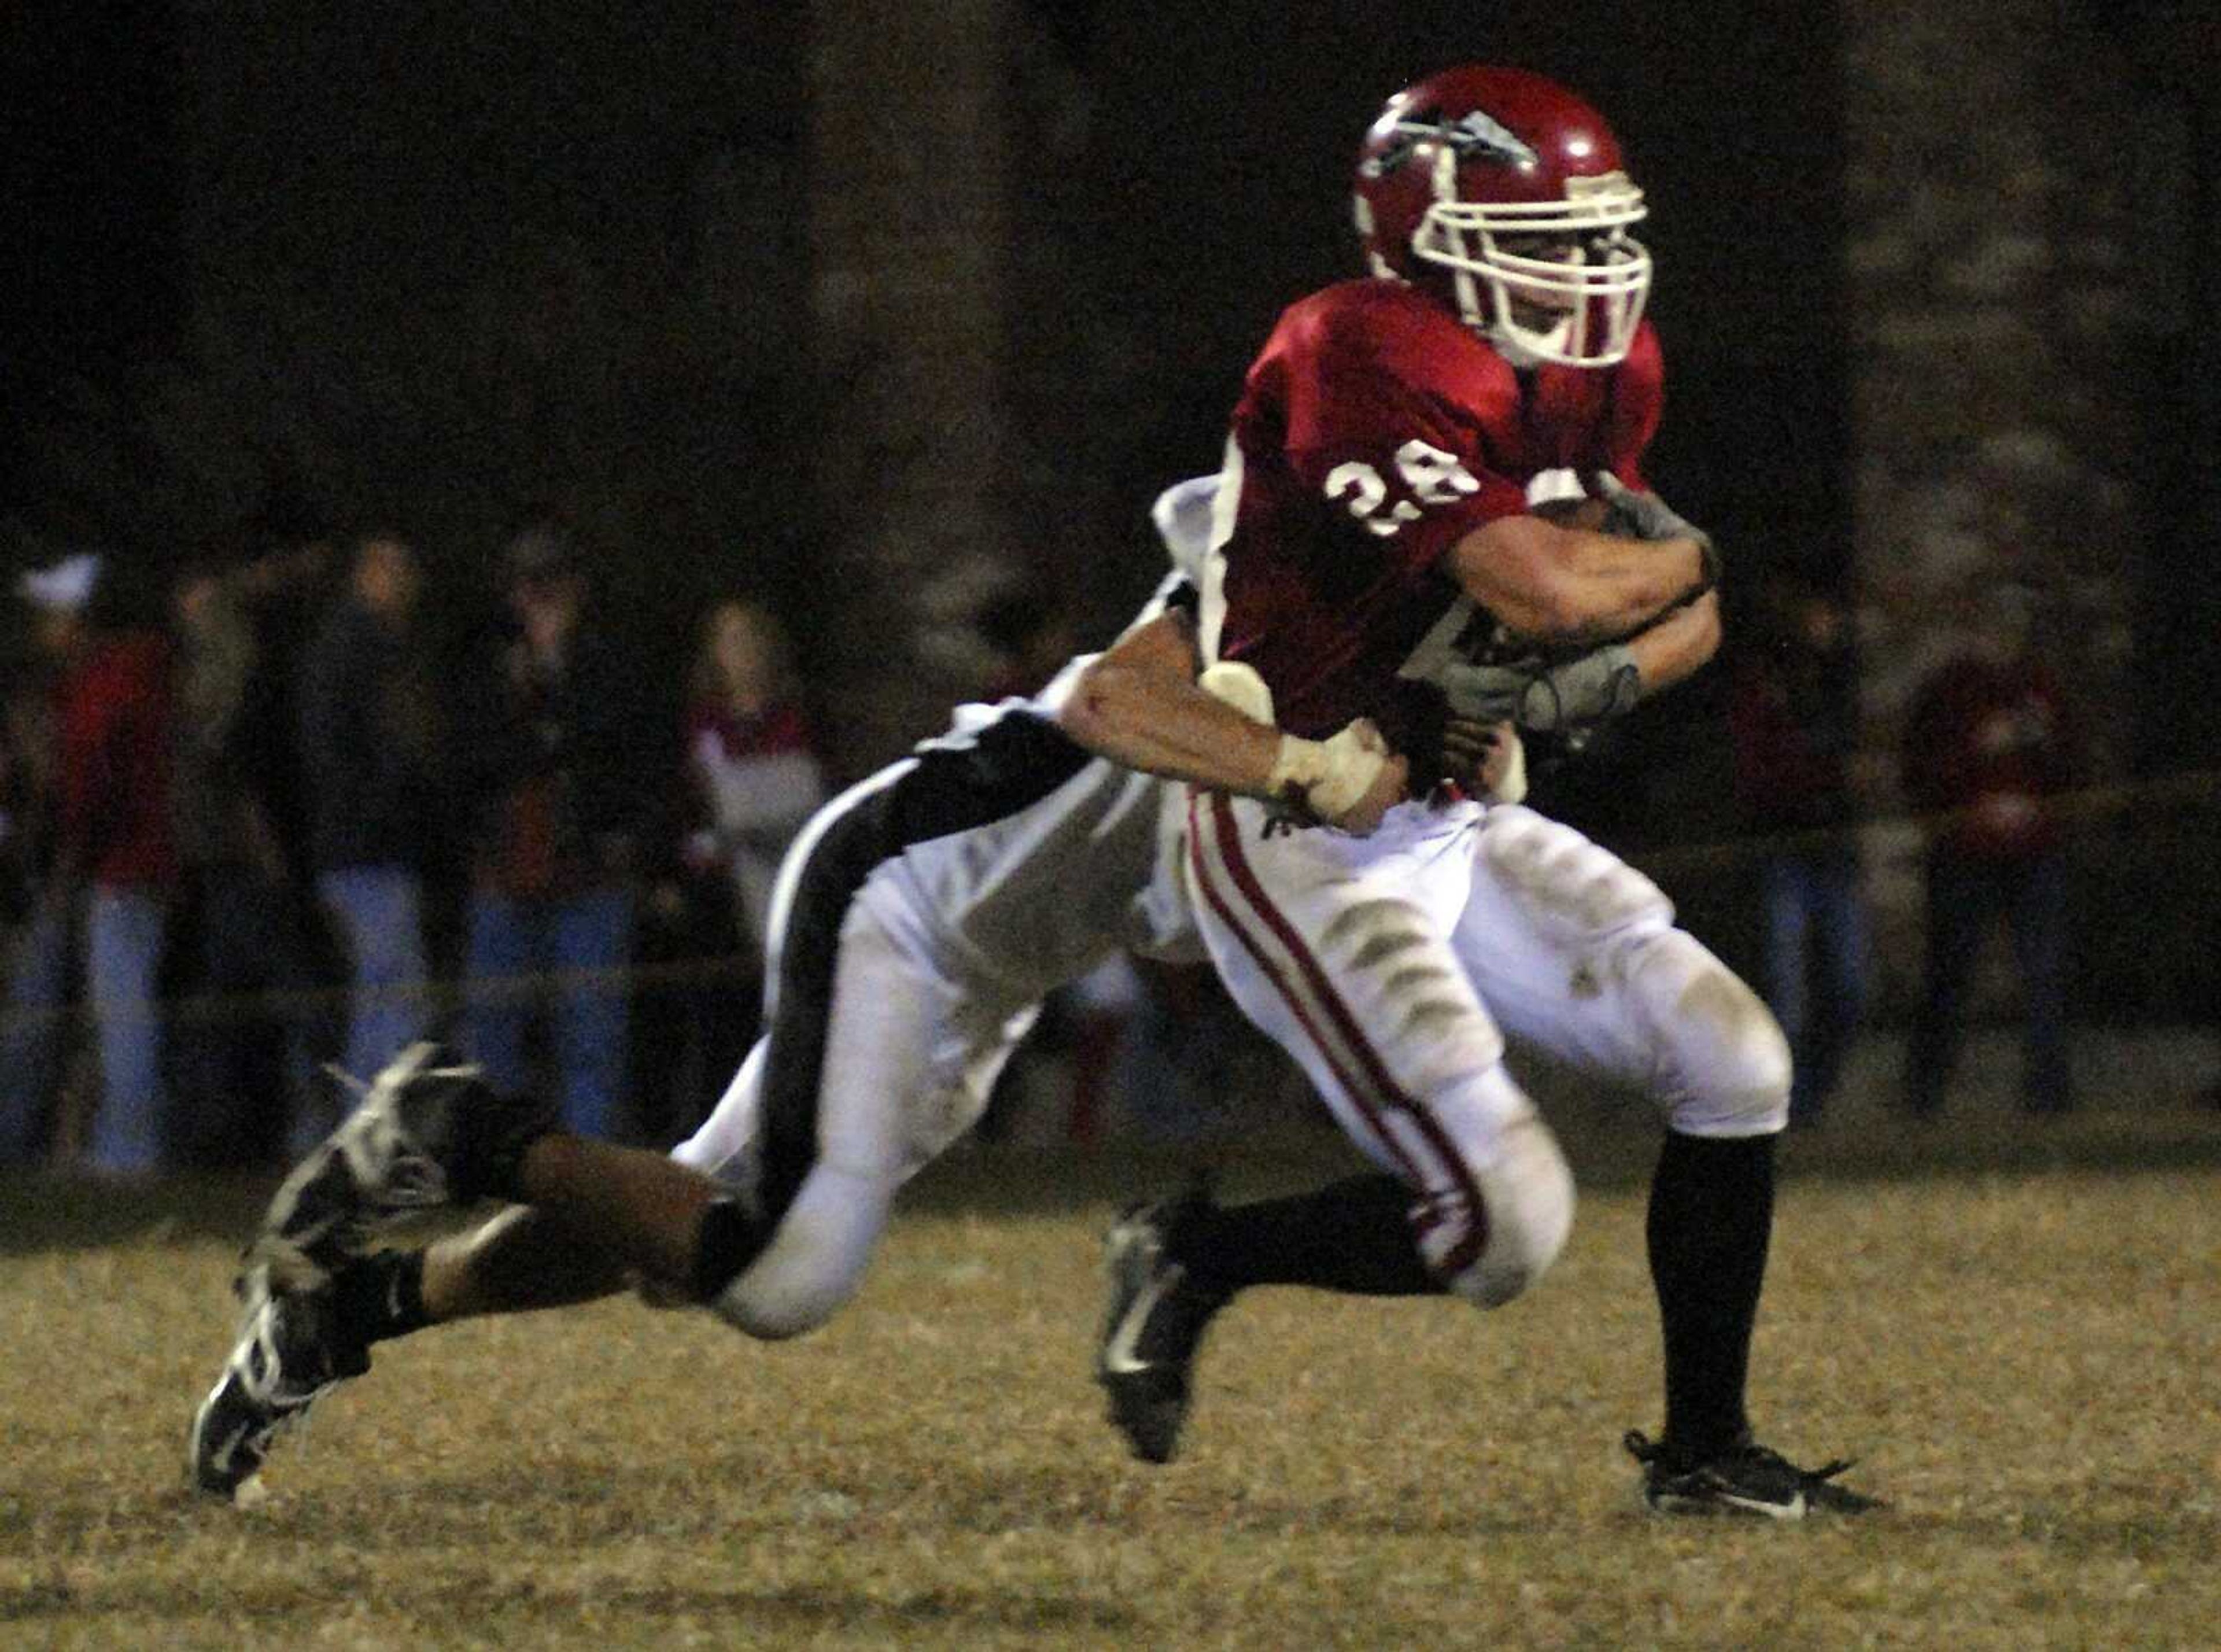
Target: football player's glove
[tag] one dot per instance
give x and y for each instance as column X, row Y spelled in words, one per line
column 1582, row 693
column 1642, row 515
column 1331, row 778
column 1645, row 516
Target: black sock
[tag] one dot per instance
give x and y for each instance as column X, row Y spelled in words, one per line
column 1354, row 1236
column 724, row 1244
column 502, row 1131
column 1711, row 1215
column 382, row 1295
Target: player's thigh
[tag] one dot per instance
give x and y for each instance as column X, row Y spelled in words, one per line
column 857, row 1085
column 1338, row 948
column 876, row 1062
column 1543, row 937
column 1576, row 953
column 913, row 1049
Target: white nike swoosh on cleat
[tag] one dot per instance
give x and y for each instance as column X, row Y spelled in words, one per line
column 1793, row 1510
column 1118, row 1359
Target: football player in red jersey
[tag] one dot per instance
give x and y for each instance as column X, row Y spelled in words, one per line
column 1380, row 550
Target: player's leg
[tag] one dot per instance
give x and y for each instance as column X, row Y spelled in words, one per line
column 430, row 1134
column 315, row 1298
column 1577, row 953
column 868, row 1073
column 1336, row 947
column 574, row 1247
column 875, row 1061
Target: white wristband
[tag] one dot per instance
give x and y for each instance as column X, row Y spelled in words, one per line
column 1332, row 775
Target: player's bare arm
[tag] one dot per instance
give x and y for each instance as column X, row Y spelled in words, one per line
column 1139, row 705
column 1673, row 648
column 1563, row 585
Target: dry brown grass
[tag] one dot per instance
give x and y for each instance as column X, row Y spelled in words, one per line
column 2022, row 1334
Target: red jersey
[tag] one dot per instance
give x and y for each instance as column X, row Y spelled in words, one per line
column 1987, row 742
column 115, row 735
column 1374, row 431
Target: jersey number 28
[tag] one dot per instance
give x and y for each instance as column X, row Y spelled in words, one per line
column 1428, row 474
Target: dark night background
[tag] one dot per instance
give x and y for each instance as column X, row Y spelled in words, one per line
column 94, row 273
column 416, row 154
column 319, row 264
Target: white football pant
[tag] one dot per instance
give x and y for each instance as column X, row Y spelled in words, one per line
column 1575, row 952
column 1338, row 948
column 907, row 1064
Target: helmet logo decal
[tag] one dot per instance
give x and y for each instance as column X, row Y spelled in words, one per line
column 1473, row 136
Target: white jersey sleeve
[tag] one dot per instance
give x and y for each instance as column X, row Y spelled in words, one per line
column 1184, row 518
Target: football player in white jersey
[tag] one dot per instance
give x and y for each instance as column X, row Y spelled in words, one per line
column 1376, row 550
column 919, row 918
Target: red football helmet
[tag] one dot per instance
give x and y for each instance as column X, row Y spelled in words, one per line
column 1516, row 188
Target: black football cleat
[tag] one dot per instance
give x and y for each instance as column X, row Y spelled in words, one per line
column 428, row 1132
column 1746, row 1479
column 292, row 1349
column 1152, row 1327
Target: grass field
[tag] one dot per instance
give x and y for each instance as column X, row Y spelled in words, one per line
column 2020, row 1330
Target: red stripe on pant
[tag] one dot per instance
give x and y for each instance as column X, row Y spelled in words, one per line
column 1383, row 1092
column 1218, row 903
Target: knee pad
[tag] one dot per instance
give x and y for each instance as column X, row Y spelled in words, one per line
column 1527, row 1198
column 1723, row 1065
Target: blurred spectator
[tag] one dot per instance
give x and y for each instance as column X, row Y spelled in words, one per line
column 1793, row 717
column 42, row 896
column 751, row 779
column 285, row 592
column 559, row 805
column 117, row 842
column 1987, row 749
column 749, row 755
column 240, row 1040
column 370, row 745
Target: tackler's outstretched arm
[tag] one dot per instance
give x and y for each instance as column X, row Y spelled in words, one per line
column 1140, row 704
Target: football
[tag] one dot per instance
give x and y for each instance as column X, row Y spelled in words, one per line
column 1594, row 516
